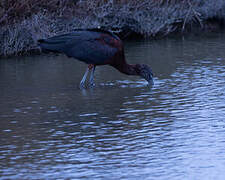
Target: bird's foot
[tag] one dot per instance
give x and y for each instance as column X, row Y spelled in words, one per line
column 91, row 84
column 82, row 85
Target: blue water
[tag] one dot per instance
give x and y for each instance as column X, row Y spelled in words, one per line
column 120, row 129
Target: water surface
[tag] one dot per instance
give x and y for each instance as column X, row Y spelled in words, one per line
column 120, row 129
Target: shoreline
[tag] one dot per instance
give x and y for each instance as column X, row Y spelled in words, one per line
column 196, row 32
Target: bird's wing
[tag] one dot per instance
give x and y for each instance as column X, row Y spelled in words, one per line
column 87, row 46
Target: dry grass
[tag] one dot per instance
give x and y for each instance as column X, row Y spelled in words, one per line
column 12, row 11
column 23, row 22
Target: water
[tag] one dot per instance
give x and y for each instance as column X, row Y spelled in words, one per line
column 121, row 129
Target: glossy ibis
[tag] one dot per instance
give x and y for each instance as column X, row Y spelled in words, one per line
column 95, row 47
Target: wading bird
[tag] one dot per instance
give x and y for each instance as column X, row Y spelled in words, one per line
column 95, row 47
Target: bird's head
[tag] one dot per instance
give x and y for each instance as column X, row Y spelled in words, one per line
column 145, row 72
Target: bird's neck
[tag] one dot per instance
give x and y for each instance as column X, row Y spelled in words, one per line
column 128, row 69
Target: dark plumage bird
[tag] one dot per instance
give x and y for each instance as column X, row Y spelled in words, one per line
column 95, row 47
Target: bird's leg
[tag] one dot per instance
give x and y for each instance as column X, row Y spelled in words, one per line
column 91, row 80
column 82, row 82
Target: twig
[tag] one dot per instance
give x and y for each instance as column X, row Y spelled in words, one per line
column 196, row 15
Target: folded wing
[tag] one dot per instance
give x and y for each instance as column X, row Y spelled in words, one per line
column 92, row 47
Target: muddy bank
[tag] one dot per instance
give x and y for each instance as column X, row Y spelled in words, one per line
column 23, row 23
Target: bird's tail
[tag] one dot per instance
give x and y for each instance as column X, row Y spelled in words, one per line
column 46, row 47
column 52, row 44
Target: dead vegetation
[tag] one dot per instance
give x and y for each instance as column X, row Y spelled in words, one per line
column 23, row 22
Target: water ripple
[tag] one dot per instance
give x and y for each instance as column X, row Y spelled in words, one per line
column 119, row 129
